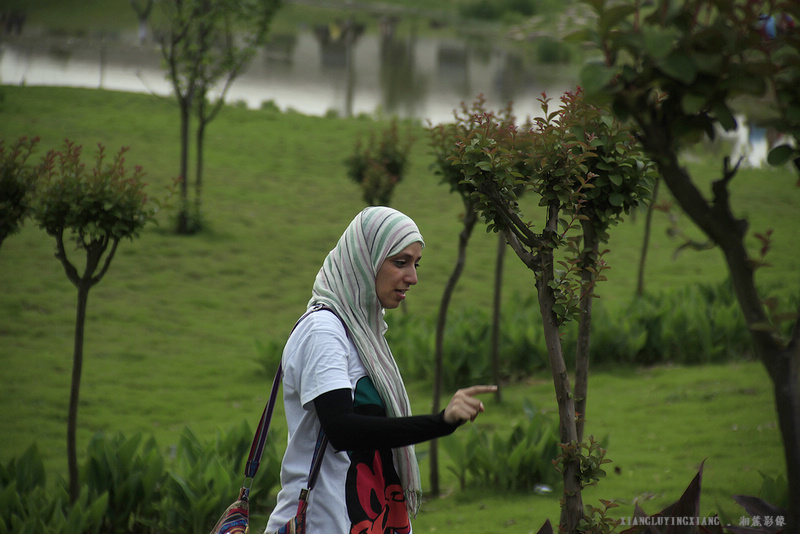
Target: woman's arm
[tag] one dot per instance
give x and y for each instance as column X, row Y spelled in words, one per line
column 349, row 431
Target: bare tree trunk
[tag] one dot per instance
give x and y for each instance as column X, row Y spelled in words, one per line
column 74, row 393
column 572, row 510
column 589, row 259
column 496, row 314
column 541, row 262
column 198, row 181
column 648, row 223
column 183, row 210
column 470, row 218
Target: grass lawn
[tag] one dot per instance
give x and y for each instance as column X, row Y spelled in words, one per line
column 172, row 328
column 660, row 425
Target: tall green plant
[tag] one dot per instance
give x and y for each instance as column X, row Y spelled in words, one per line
column 130, row 472
column 379, row 165
column 206, row 45
column 442, row 138
column 17, row 182
column 515, row 461
column 565, row 152
column 29, row 506
column 95, row 209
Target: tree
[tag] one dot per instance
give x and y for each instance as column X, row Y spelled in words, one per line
column 206, row 45
column 676, row 70
column 142, row 14
column 621, row 179
column 443, row 138
column 97, row 209
column 17, row 182
column 565, row 153
column 380, row 165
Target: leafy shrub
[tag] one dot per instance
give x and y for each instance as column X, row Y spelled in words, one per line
column 412, row 339
column 519, row 461
column 380, row 165
column 691, row 325
column 497, row 10
column 205, row 478
column 129, row 487
column 130, row 473
column 695, row 324
column 28, row 507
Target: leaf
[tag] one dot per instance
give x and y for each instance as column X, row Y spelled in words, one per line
column 724, row 116
column 658, row 42
column 594, row 77
column 678, row 65
column 780, row 155
column 693, row 103
column 613, row 16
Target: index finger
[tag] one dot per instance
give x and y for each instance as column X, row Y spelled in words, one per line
column 478, row 390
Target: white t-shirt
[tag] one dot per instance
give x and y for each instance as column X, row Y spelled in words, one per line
column 319, row 357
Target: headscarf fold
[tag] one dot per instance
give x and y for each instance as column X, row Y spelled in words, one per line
column 346, row 283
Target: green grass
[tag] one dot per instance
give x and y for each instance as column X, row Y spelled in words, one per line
column 172, row 328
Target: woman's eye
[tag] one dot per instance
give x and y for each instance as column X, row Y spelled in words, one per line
column 400, row 263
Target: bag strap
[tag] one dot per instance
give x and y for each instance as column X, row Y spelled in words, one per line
column 260, row 438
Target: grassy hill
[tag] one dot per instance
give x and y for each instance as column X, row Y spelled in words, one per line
column 172, row 329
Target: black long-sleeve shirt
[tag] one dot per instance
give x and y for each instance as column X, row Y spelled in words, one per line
column 368, row 429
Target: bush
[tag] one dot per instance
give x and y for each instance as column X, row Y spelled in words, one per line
column 697, row 324
column 519, row 461
column 497, row 10
column 28, row 507
column 128, row 486
column 130, row 473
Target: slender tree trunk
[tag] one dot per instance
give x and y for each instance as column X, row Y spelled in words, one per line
column 648, row 224
column 74, row 392
column 198, row 181
column 572, row 510
column 496, row 313
column 470, row 218
column 589, row 259
column 183, row 211
column 542, row 263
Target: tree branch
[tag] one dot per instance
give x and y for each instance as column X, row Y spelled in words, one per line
column 721, row 204
column 61, row 254
column 530, row 259
column 107, row 261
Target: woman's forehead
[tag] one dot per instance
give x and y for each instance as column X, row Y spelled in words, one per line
column 412, row 251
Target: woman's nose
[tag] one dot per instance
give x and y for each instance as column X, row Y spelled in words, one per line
column 411, row 275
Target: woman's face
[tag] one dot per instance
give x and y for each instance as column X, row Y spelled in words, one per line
column 397, row 274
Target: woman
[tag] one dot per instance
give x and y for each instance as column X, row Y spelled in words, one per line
column 339, row 374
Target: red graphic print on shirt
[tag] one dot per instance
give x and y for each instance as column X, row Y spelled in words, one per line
column 383, row 503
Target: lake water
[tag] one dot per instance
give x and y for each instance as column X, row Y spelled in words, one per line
column 315, row 72
column 424, row 78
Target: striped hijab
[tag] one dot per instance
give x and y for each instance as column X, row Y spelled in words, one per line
column 346, row 283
